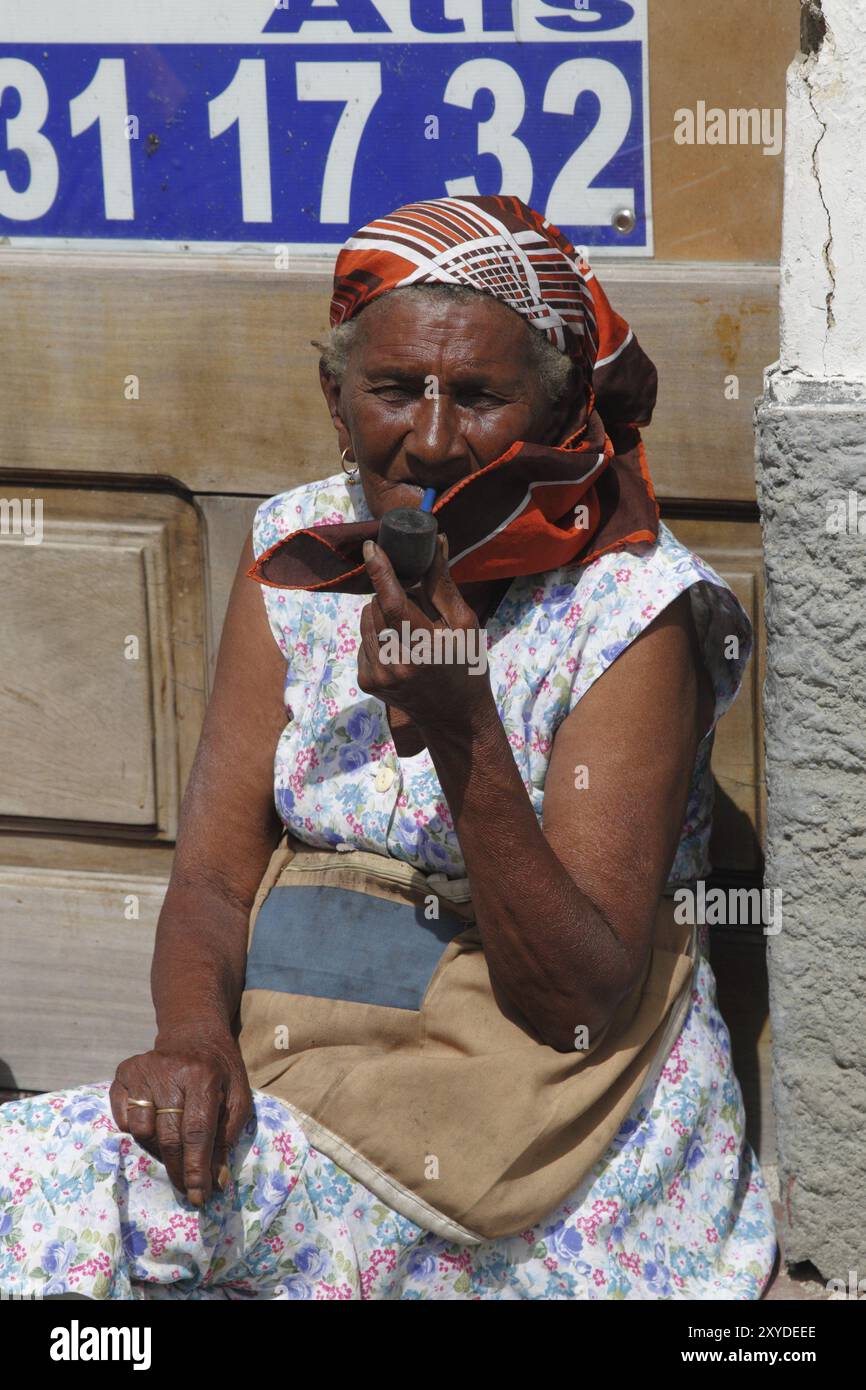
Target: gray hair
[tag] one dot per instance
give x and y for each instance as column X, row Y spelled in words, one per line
column 554, row 368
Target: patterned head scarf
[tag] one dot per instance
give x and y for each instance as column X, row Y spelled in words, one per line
column 538, row 506
column 498, row 246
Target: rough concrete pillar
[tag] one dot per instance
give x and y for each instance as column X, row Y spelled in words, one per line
column 811, row 466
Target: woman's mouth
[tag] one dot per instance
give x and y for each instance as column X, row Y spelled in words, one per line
column 406, row 488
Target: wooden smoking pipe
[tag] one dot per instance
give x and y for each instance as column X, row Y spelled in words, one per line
column 408, row 537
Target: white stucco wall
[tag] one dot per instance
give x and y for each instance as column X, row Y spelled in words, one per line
column 811, row 456
column 823, row 295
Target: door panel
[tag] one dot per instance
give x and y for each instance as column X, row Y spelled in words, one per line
column 76, row 951
column 103, row 688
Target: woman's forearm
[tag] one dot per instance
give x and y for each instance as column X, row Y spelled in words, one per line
column 547, row 945
column 199, row 961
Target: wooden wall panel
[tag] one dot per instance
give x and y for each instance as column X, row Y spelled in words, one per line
column 76, row 966
column 227, row 523
column 711, row 331
column 89, row 737
column 717, row 202
column 78, row 729
column 229, row 400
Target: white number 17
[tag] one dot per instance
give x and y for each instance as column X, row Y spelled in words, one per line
column 358, row 86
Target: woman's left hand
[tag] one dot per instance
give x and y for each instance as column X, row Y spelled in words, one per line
column 446, row 685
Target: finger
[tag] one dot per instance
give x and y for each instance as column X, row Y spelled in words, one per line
column 137, row 1120
column 240, row 1110
column 170, row 1142
column 415, row 605
column 117, row 1100
column 420, row 596
column 413, row 613
column 438, row 568
column 219, row 1170
column 444, row 594
column 235, row 1113
column 370, row 648
column 376, row 614
column 199, row 1123
column 417, row 611
column 430, row 580
column 389, row 590
column 372, row 669
column 365, row 679
column 169, row 1096
column 143, row 1127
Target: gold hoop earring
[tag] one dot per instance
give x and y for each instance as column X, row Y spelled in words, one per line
column 352, row 474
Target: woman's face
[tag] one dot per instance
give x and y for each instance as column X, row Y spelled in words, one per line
column 434, row 391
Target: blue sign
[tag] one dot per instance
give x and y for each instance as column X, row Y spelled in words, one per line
column 338, row 111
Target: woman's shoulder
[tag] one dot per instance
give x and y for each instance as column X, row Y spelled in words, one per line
column 639, row 580
column 322, row 502
column 588, row 614
column 666, row 563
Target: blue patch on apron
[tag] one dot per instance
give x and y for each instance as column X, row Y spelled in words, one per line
column 334, row 943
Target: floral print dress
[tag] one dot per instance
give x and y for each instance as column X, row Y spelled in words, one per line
column 677, row 1208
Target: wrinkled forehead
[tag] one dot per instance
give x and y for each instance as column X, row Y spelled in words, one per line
column 401, row 317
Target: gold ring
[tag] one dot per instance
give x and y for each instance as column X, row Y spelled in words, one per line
column 145, row 1103
column 170, row 1110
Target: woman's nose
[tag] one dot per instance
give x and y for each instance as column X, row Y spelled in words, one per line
column 436, row 449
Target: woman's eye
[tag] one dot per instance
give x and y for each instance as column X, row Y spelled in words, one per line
column 473, row 400
column 392, row 393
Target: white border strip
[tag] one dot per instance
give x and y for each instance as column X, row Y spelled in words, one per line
column 242, row 248
column 604, row 361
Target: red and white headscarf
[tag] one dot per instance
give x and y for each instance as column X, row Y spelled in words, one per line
column 498, row 246
column 519, row 513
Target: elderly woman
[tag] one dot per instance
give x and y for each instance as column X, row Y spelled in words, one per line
column 466, row 1051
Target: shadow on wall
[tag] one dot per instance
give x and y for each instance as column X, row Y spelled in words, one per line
column 738, row 954
column 9, row 1088
column 735, row 850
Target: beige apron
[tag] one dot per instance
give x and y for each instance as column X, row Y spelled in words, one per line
column 446, row 1105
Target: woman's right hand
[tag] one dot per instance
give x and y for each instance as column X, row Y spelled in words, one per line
column 203, row 1078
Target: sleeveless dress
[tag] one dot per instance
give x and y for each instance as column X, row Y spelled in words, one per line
column 676, row 1209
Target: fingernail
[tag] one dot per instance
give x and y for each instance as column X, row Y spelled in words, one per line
column 443, row 542
column 196, row 1196
column 368, row 550
column 223, row 1177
